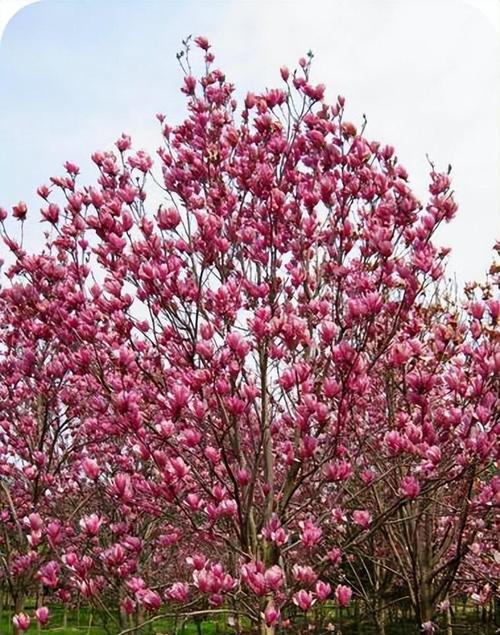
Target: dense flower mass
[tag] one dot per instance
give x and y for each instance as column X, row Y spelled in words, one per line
column 257, row 397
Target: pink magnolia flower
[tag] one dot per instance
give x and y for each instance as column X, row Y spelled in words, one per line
column 340, row 471
column 311, row 534
column 212, row 454
column 42, row 615
column 368, row 476
column 243, row 477
column 115, row 555
column 191, row 437
column 434, row 454
column 303, row 599
column 49, row 574
column 410, row 487
column 216, row 600
column 51, row 213
column 362, row 518
column 91, row 468
column 271, row 615
column 124, row 142
column 168, row 218
column 35, row 522
column 304, row 574
column 197, row 561
column 237, row 344
column 194, row 501
column 34, row 539
column 322, row 589
column 91, row 524
column 128, row 605
column 141, row 160
column 395, row 442
column 122, row 487
column 136, row 584
column 21, row 621
column 20, row 211
column 343, row 594
column 88, row 588
column 328, row 331
column 335, row 555
column 274, row 577
column 254, row 578
column 274, row 532
column 202, row 42
column 179, row 592
column 72, row 168
column 149, row 599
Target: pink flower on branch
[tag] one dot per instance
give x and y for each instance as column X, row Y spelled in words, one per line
column 42, row 615
column 304, row 600
column 343, row 595
column 21, row 621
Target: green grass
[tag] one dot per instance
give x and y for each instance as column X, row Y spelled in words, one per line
column 84, row 623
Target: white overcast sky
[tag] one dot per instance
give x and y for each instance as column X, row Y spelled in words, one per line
column 74, row 74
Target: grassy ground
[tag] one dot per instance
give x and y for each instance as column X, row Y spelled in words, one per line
column 84, row 623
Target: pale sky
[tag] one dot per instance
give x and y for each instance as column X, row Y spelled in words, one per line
column 75, row 74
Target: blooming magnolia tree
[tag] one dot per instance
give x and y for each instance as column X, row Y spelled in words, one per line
column 441, row 395
column 251, row 399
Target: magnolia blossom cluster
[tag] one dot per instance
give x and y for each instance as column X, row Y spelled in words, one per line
column 22, row 621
